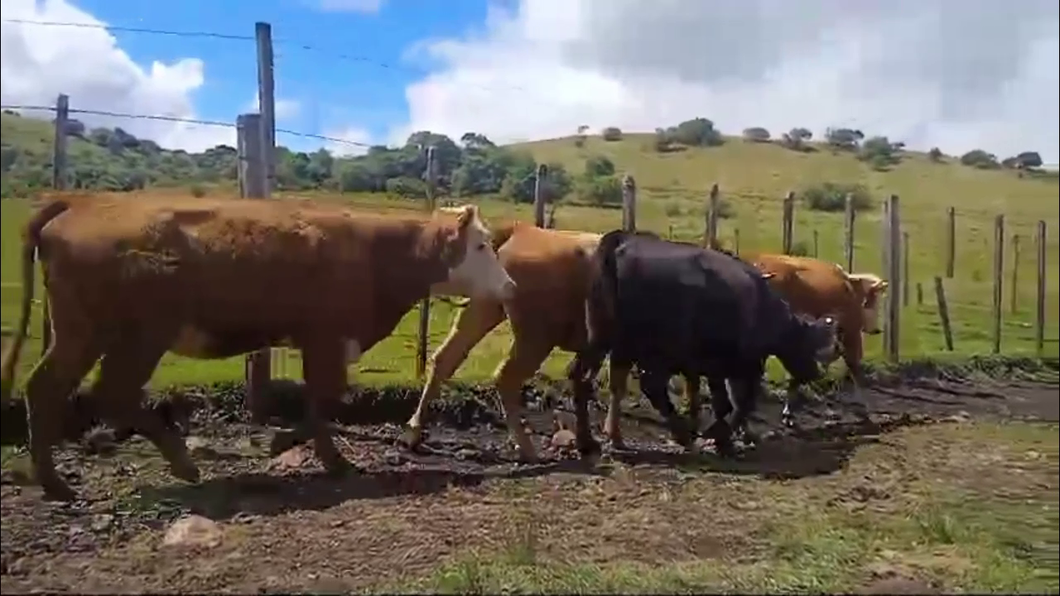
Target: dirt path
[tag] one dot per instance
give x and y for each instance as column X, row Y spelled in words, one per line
column 280, row 525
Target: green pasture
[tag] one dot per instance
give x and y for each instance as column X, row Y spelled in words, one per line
column 753, row 178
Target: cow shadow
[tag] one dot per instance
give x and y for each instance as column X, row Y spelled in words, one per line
column 268, row 494
column 780, row 455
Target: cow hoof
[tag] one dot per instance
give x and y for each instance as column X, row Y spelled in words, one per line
column 617, row 444
column 589, row 447
column 338, row 468
column 58, row 491
column 412, row 438
column 187, row 472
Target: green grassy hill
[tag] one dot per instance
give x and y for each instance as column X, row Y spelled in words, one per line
column 672, row 186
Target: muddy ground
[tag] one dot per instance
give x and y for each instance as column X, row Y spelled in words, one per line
column 279, row 524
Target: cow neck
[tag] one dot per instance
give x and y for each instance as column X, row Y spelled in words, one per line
column 420, row 263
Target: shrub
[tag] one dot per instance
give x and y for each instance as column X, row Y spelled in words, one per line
column 935, row 154
column 612, row 133
column 198, row 191
column 756, row 134
column 831, row 197
column 600, row 190
column 406, row 187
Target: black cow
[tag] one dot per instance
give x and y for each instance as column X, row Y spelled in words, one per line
column 672, row 308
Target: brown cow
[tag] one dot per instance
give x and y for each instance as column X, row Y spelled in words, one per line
column 129, row 281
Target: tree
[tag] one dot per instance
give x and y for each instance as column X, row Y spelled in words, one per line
column 879, row 152
column 935, row 155
column 756, row 134
column 845, row 139
column 697, row 132
column 612, row 133
column 1023, row 161
column 796, row 138
column 977, row 158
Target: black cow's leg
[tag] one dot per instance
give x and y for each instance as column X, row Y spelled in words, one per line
column 695, row 405
column 581, row 372
column 747, row 386
column 793, row 401
column 654, row 385
column 720, row 402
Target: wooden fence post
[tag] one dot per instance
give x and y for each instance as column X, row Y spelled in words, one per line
column 62, row 116
column 1014, row 284
column 267, row 109
column 849, row 217
column 1039, row 317
column 999, row 276
column 710, row 238
column 905, row 268
column 894, row 274
column 787, row 224
column 815, row 244
column 951, row 241
column 424, row 330
column 253, row 184
column 919, row 294
column 629, row 203
column 736, row 241
column 944, row 313
column 539, row 195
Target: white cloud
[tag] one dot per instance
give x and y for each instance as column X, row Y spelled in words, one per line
column 365, row 6
column 37, row 63
column 357, row 141
column 285, row 108
column 986, row 75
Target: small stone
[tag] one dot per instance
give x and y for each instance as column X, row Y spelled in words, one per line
column 394, row 458
column 102, row 522
column 293, row 459
column 199, row 446
column 195, row 531
column 563, row 439
column 466, row 453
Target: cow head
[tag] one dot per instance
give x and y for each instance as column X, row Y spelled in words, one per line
column 869, row 287
column 809, row 343
column 470, row 258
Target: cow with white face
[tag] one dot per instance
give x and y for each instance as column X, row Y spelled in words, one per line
column 869, row 287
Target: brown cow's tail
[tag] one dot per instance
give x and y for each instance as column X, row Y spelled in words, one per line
column 30, row 241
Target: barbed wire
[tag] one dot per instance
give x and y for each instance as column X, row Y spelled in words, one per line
column 163, row 118
column 301, row 45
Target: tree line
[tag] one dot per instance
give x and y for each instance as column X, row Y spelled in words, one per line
column 115, row 160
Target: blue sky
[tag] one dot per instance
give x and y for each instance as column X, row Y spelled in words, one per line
column 330, row 89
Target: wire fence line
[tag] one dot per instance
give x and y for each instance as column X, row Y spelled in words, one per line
column 164, row 118
column 256, row 143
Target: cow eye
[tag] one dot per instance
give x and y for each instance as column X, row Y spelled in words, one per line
column 481, row 246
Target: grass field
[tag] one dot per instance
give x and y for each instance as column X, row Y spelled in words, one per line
column 753, row 178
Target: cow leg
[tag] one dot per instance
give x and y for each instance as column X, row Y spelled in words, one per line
column 48, row 391
column 581, row 372
column 524, row 358
column 853, row 351
column 618, row 382
column 695, row 404
column 324, row 368
column 471, row 325
column 720, row 402
column 655, row 387
column 747, row 389
column 118, row 390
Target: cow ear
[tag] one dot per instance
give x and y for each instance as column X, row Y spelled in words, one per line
column 468, row 215
column 880, row 285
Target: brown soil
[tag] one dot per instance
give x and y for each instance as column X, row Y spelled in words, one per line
column 288, row 527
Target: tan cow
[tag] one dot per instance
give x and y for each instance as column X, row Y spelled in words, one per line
column 129, row 280
column 816, row 288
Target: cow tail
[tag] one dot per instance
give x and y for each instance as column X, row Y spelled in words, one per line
column 30, row 241
column 600, row 308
